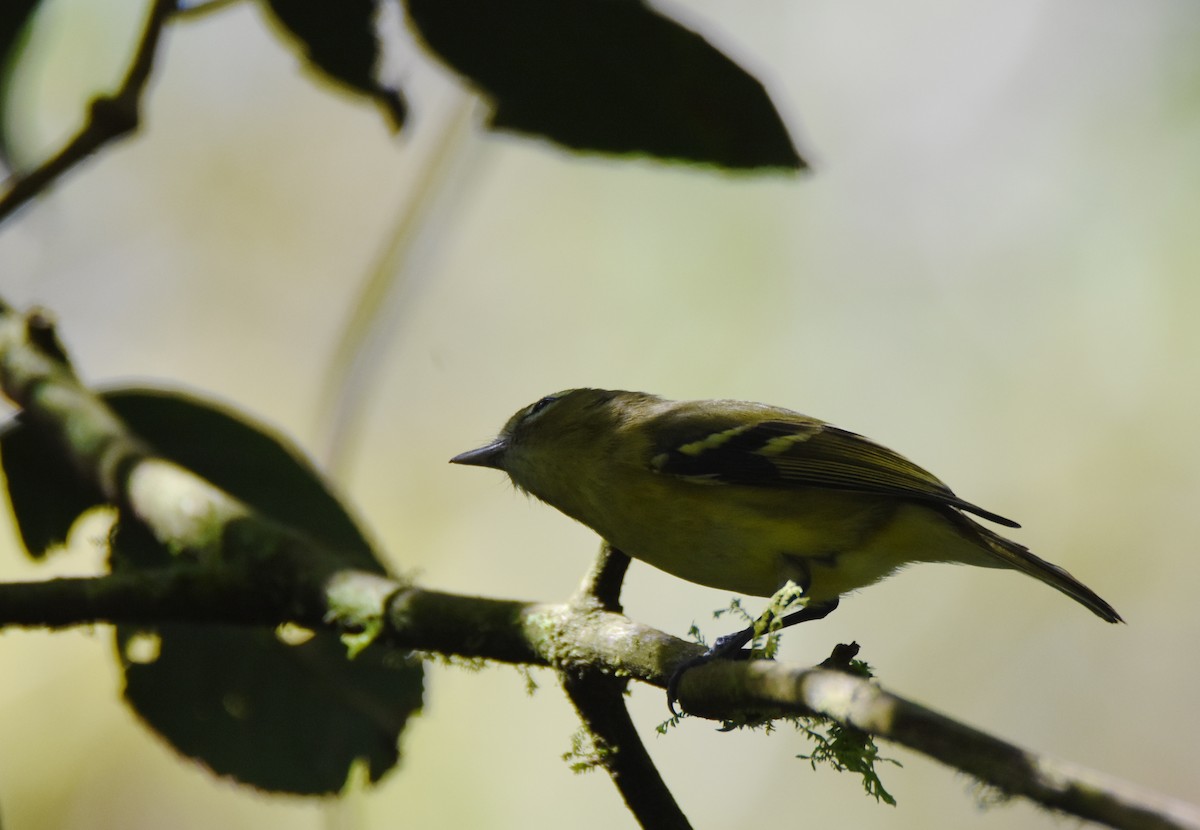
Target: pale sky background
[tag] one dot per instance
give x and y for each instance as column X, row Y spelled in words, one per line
column 992, row 269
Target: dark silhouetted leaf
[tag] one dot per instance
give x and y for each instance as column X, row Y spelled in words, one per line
column 279, row 717
column 283, row 717
column 14, row 17
column 342, row 40
column 45, row 494
column 246, row 460
column 612, row 76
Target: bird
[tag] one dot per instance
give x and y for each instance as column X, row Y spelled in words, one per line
column 749, row 498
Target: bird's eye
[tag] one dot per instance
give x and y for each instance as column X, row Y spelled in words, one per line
column 542, row 404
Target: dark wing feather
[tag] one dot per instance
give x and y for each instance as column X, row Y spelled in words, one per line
column 804, row 453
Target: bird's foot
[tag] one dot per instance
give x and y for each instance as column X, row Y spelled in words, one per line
column 728, row 647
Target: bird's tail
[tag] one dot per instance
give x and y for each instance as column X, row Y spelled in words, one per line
column 1019, row 558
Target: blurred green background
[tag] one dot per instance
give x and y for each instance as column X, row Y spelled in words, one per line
column 992, row 270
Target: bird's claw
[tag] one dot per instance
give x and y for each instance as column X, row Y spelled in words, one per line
column 728, row 647
column 677, row 675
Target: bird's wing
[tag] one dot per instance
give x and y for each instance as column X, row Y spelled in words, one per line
column 802, row 453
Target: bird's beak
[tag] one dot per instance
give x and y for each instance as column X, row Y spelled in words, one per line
column 489, row 455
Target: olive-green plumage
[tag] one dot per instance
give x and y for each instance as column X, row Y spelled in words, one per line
column 744, row 496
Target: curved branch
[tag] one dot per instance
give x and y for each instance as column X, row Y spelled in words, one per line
column 558, row 635
column 257, row 572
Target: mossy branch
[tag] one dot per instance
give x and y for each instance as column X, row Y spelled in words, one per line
column 249, row 570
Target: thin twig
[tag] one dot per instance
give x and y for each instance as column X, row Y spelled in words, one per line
column 618, row 749
column 110, row 117
column 600, row 701
column 854, row 701
column 393, row 278
column 601, row 586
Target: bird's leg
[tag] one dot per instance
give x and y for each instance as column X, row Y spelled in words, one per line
column 771, row 620
column 816, row 611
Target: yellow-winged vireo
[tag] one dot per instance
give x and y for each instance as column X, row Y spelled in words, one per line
column 746, row 497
